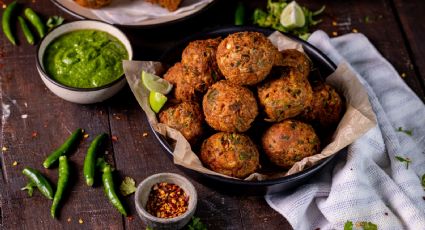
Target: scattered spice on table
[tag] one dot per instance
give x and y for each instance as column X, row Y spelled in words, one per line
column 34, row 134
column 355, row 30
column 334, row 23
column 403, row 75
column 130, row 218
column 334, row 33
column 15, row 163
column 86, row 136
column 145, row 134
column 114, row 138
column 80, row 221
column 69, row 219
column 167, row 200
column 4, row 149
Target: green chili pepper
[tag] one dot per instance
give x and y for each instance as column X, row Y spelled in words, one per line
column 26, row 30
column 101, row 163
column 62, row 183
column 64, row 149
column 109, row 188
column 240, row 14
column 35, row 21
column 90, row 160
column 6, row 24
column 40, row 181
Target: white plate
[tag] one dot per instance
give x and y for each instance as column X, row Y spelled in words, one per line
column 78, row 11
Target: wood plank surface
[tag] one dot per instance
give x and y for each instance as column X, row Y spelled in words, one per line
column 39, row 121
column 411, row 14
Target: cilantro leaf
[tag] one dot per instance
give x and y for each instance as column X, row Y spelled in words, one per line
column 30, row 187
column 128, row 186
column 404, row 160
column 348, row 225
column 271, row 18
column 368, row 226
column 196, row 224
column 360, row 225
column 407, row 132
column 423, row 181
column 54, row 21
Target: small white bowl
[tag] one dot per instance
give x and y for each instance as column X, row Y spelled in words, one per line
column 82, row 95
column 142, row 195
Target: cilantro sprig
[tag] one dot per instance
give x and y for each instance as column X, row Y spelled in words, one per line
column 271, row 18
column 404, row 160
column 406, row 131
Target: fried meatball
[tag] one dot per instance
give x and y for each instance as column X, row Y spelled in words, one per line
column 182, row 90
column 295, row 59
column 200, row 56
column 229, row 108
column 246, row 58
column 185, row 117
column 290, row 141
column 326, row 106
column 231, row 154
column 286, row 96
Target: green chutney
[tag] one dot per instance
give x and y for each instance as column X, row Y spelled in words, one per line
column 85, row 59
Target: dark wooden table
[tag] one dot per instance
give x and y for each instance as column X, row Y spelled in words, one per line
column 39, row 121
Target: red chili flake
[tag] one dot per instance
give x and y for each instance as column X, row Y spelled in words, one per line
column 167, row 200
column 116, row 116
column 130, row 218
column 34, row 134
column 114, row 138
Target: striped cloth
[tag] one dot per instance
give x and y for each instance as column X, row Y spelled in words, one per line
column 367, row 183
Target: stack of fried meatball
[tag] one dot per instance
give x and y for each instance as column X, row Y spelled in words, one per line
column 233, row 81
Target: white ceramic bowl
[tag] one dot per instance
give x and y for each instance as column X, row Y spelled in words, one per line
column 82, row 95
column 142, row 195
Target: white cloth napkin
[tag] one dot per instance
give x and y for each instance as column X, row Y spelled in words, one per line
column 131, row 12
column 368, row 183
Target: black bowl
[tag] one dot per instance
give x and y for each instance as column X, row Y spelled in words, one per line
column 324, row 66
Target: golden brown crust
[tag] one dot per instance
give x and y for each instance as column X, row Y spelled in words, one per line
column 295, row 59
column 290, row 141
column 201, row 56
column 231, row 154
column 185, row 117
column 170, row 5
column 246, row 58
column 285, row 97
column 93, row 3
column 229, row 107
column 180, row 77
column 326, row 106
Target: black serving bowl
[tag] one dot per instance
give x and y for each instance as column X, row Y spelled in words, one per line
column 322, row 64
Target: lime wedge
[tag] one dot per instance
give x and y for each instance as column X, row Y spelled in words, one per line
column 292, row 16
column 156, row 101
column 155, row 83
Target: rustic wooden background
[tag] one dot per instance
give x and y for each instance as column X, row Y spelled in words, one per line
column 39, row 121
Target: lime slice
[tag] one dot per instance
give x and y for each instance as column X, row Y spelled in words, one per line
column 156, row 101
column 292, row 16
column 155, row 83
